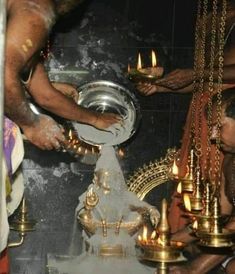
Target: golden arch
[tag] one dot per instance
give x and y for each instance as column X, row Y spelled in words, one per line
column 151, row 175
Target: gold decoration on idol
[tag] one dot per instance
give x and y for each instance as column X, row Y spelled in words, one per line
column 159, row 247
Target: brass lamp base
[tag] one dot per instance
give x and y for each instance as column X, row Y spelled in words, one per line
column 187, row 185
column 146, row 74
column 167, row 254
column 23, row 225
column 204, row 222
column 196, row 204
column 219, row 240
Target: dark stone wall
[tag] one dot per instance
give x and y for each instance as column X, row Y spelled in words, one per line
column 97, row 41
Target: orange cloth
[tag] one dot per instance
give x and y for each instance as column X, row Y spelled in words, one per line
column 4, row 263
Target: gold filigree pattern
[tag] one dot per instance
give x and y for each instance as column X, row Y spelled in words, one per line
column 152, row 175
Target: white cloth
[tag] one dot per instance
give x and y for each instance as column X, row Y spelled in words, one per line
column 6, row 209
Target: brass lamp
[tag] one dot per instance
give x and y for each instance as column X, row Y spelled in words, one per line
column 161, row 249
column 217, row 236
column 22, row 224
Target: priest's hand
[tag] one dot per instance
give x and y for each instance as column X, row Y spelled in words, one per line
column 177, row 79
column 45, row 133
column 105, row 120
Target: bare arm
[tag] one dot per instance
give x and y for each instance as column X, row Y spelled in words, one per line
column 26, row 32
column 181, row 81
column 48, row 97
column 18, row 54
column 67, row 89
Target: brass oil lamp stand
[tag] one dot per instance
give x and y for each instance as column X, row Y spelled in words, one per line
column 22, row 224
column 196, row 200
column 161, row 249
column 188, row 179
column 217, row 236
column 75, row 146
column 203, row 219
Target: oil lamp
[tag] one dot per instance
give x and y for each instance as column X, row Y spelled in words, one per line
column 196, row 197
column 159, row 247
column 22, row 224
column 149, row 74
column 75, row 146
column 217, row 236
column 203, row 219
column 174, row 171
column 188, row 179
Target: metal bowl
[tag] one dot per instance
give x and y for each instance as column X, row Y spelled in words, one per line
column 107, row 96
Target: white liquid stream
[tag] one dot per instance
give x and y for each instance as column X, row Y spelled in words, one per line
column 111, row 207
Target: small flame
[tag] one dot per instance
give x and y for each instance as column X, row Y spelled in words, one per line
column 187, row 202
column 128, row 68
column 121, row 152
column 153, row 235
column 160, row 242
column 70, row 135
column 139, row 64
column 195, row 224
column 179, row 188
column 145, row 234
column 154, row 59
column 175, row 169
column 139, row 238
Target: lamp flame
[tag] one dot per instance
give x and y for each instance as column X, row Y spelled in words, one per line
column 179, row 188
column 128, row 68
column 70, row 135
column 154, row 59
column 139, row 64
column 175, row 169
column 153, row 235
column 195, row 224
column 121, row 152
column 160, row 241
column 187, row 202
column 145, row 234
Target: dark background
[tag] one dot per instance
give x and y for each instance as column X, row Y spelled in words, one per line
column 97, row 41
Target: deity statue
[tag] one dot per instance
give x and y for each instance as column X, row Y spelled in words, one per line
column 110, row 214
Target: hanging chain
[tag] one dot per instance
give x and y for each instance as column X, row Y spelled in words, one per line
column 201, row 71
column 196, row 68
column 211, row 85
column 220, row 81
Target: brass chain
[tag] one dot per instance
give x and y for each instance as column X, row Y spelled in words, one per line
column 198, row 148
column 220, row 81
column 213, row 37
column 196, row 67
